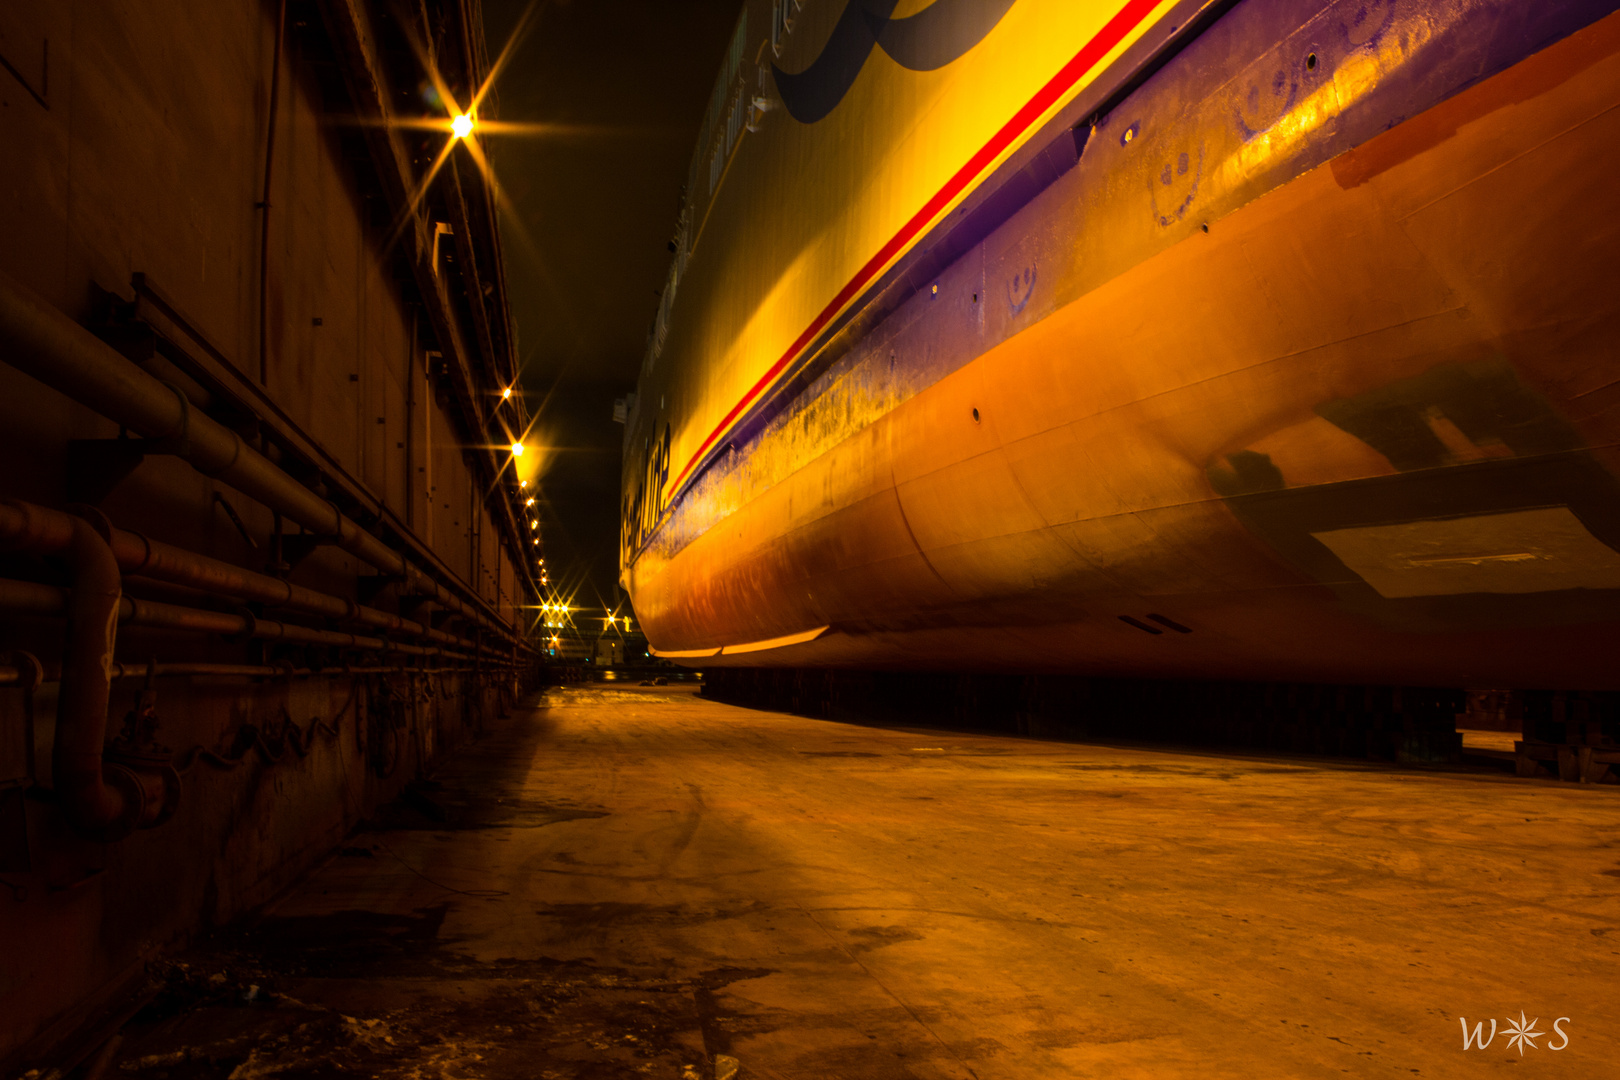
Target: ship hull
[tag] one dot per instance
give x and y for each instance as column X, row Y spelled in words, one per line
column 1175, row 419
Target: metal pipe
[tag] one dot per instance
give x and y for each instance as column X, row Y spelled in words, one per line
column 95, row 798
column 150, row 558
column 29, row 674
column 31, row 598
column 14, row 676
column 108, row 800
column 48, row 530
column 44, row 343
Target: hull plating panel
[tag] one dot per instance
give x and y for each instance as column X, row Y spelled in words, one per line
column 1362, row 428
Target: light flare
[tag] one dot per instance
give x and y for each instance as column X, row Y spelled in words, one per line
column 461, row 122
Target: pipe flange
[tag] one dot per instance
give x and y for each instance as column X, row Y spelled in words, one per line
column 146, row 548
column 30, row 672
column 237, row 443
column 98, row 520
column 128, row 784
column 250, row 626
column 170, row 778
column 179, row 443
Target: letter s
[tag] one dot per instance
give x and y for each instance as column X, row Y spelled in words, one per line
column 1562, row 1034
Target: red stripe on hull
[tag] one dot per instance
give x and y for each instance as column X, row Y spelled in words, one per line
column 1126, row 20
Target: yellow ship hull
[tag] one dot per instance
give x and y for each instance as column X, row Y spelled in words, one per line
column 1359, row 428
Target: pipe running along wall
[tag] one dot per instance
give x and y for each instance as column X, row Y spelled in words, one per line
column 13, row 675
column 100, row 799
column 103, row 799
column 30, row 598
column 42, row 530
column 46, row 344
column 110, row 799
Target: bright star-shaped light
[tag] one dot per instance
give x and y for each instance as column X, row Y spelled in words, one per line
column 462, row 126
column 1520, row 1033
column 517, row 449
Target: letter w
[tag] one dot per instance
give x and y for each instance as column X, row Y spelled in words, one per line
column 1478, row 1031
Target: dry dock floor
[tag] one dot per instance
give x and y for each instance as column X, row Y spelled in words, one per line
column 629, row 882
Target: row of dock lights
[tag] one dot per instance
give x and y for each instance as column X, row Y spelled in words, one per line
column 534, row 523
column 528, row 503
column 461, row 126
column 555, row 615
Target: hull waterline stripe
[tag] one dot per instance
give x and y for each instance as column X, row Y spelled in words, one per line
column 685, row 654
column 776, row 642
column 1123, row 22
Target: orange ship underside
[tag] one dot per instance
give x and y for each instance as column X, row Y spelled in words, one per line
column 1356, row 426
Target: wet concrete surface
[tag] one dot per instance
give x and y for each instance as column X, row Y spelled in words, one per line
column 631, row 882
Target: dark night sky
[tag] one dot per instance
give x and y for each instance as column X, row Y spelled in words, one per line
column 595, row 205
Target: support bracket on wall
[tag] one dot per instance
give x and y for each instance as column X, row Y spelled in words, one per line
column 96, row 466
column 369, row 585
column 300, row 546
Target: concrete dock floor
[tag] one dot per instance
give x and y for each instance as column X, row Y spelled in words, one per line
column 635, row 882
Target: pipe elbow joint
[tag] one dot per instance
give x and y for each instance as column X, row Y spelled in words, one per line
column 133, row 796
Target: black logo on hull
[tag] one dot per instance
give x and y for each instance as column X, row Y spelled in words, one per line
column 934, row 37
